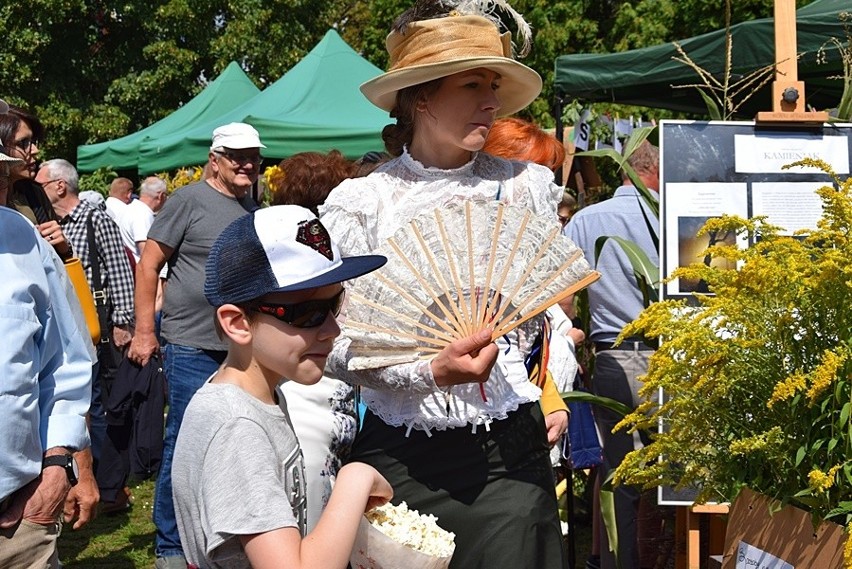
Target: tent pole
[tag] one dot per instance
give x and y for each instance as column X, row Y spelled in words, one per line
column 788, row 93
column 558, row 105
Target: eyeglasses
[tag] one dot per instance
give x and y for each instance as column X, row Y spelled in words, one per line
column 46, row 183
column 25, row 143
column 308, row 314
column 240, row 158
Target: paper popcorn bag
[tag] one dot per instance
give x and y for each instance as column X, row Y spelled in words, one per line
column 393, row 537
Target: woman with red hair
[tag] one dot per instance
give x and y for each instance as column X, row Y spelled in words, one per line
column 517, row 139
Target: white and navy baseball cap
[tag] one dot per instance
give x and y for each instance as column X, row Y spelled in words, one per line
column 282, row 248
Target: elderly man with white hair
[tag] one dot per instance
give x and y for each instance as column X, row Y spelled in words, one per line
column 136, row 219
column 96, row 241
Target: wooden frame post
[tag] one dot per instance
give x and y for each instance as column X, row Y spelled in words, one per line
column 788, row 93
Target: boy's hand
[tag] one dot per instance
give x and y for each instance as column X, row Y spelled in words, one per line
column 380, row 491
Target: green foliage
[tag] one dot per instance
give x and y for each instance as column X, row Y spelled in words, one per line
column 585, row 397
column 95, row 70
column 98, row 181
column 759, row 376
column 844, row 107
column 647, row 273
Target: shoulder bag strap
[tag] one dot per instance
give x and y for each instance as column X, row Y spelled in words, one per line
column 97, row 284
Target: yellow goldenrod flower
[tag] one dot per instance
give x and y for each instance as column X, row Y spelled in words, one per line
column 819, row 481
column 825, row 373
column 787, row 388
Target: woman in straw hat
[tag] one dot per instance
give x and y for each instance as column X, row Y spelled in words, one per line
column 480, row 464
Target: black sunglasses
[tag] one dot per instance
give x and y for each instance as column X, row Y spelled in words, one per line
column 308, row 314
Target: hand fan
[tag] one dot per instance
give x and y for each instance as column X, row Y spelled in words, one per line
column 453, row 271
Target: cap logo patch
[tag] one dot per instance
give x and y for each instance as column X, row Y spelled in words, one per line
column 314, row 235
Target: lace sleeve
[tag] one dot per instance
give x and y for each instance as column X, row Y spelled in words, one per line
column 537, row 189
column 349, row 214
column 415, row 377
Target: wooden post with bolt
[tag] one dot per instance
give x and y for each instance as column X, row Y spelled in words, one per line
column 788, row 93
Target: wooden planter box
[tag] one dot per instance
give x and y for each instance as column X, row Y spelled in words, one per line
column 785, row 539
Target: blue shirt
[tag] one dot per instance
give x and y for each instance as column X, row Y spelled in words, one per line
column 615, row 299
column 45, row 367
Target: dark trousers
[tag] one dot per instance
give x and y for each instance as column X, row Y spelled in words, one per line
column 113, row 466
column 494, row 488
column 615, row 376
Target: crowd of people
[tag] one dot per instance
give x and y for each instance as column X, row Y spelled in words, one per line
column 265, row 460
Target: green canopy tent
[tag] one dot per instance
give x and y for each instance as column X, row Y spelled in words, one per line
column 648, row 77
column 315, row 106
column 230, row 89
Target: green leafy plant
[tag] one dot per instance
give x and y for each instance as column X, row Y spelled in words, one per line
column 758, row 376
column 844, row 107
column 98, row 181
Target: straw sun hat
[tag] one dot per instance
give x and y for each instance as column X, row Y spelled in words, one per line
column 439, row 47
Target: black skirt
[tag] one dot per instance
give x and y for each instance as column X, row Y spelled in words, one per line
column 493, row 489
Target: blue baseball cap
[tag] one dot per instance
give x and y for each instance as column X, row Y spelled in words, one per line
column 282, row 248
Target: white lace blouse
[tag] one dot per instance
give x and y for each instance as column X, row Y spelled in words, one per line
column 362, row 213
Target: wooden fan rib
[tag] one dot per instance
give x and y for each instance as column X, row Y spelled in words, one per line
column 417, row 338
column 474, row 309
column 541, row 288
column 530, row 266
column 507, row 325
column 448, row 294
column 489, row 272
column 508, row 262
column 410, row 298
column 515, row 246
column 402, row 317
column 454, row 273
column 426, row 287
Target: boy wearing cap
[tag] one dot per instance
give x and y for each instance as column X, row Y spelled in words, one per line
column 274, row 277
column 181, row 235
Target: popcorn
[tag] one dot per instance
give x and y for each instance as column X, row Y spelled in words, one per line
column 408, row 527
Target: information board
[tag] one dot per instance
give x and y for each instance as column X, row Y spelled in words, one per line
column 709, row 169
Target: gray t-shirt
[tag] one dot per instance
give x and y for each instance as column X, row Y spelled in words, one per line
column 189, row 223
column 237, row 470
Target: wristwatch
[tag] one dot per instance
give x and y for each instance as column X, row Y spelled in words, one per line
column 67, row 462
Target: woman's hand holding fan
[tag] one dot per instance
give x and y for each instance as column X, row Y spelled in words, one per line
column 467, row 360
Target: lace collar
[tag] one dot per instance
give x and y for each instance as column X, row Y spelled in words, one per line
column 428, row 172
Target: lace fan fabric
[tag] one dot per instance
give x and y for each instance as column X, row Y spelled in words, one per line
column 455, row 270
